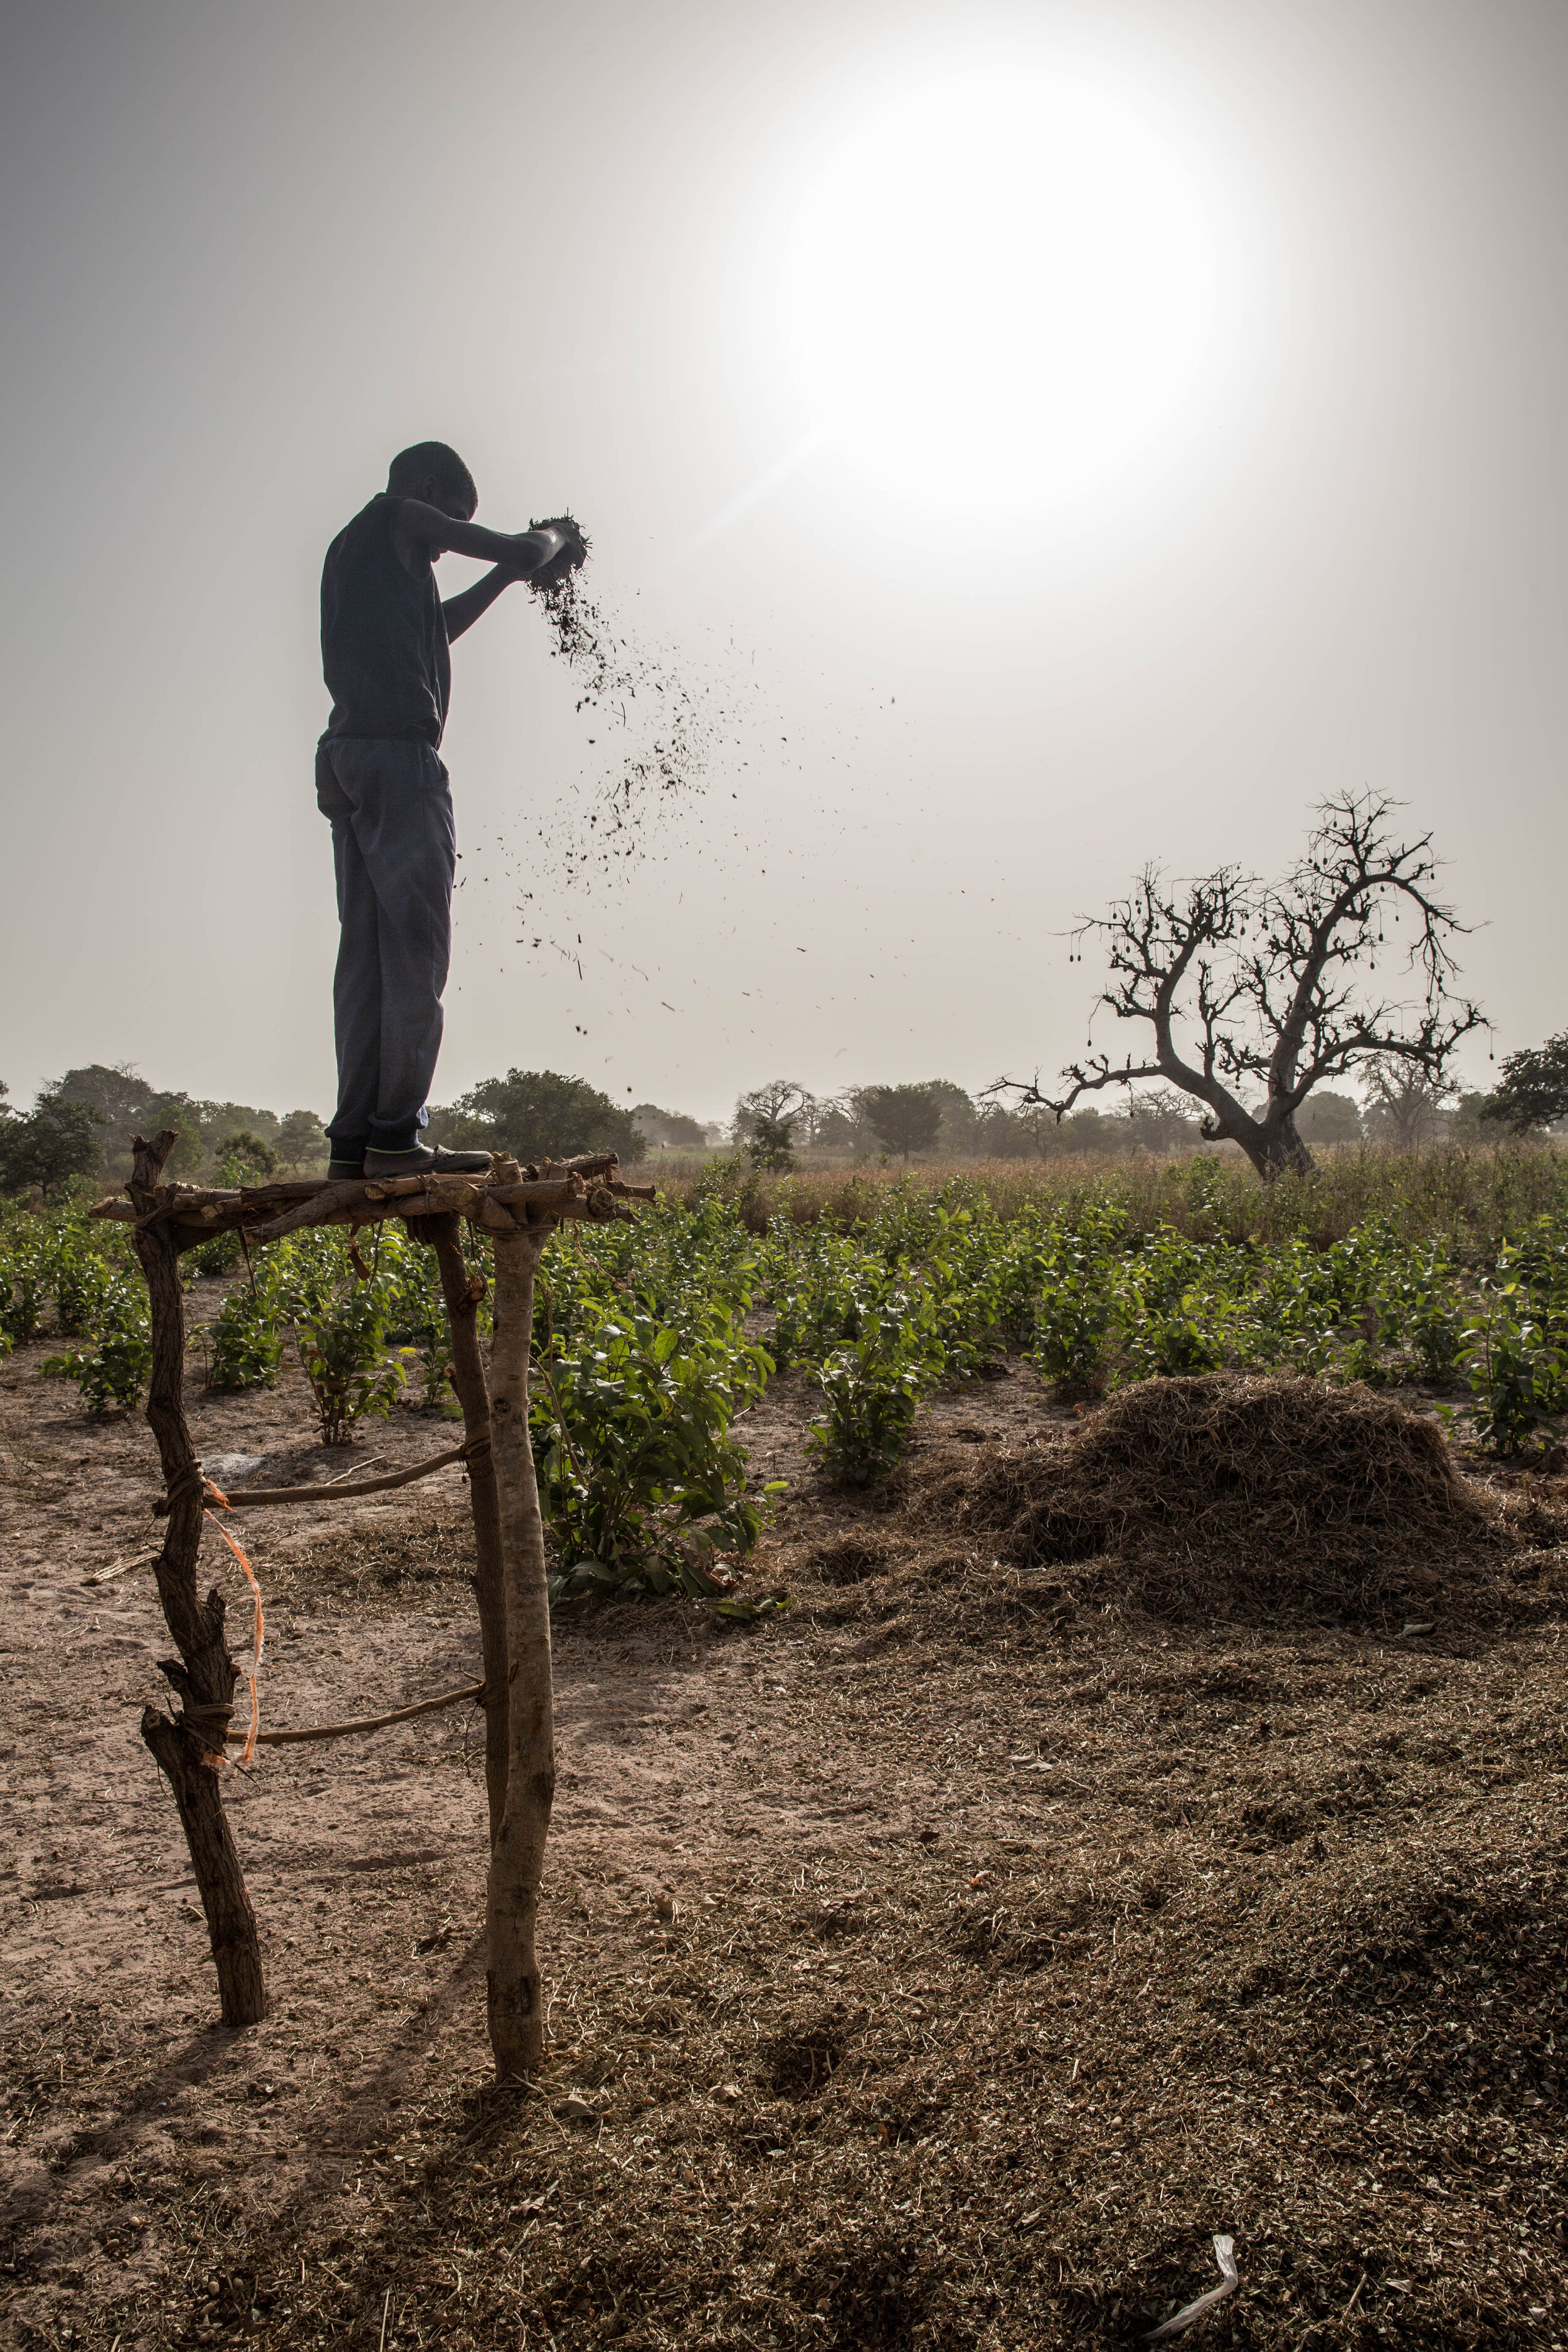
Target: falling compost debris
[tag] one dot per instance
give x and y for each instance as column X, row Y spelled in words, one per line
column 668, row 731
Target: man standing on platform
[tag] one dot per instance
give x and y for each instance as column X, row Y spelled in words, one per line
column 380, row 780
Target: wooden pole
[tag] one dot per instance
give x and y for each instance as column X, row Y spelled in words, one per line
column 189, row 1746
column 444, row 1236
column 517, row 1856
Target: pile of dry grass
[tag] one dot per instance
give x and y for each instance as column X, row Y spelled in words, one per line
column 1231, row 1496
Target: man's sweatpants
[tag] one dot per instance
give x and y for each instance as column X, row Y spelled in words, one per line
column 394, row 847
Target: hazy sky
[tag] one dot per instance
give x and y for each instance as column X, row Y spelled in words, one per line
column 1039, row 439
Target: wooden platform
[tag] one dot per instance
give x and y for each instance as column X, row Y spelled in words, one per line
column 510, row 1196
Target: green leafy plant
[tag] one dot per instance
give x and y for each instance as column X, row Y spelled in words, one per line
column 1294, row 1313
column 1076, row 1312
column 820, row 1298
column 1419, row 1303
column 1514, row 1377
column 22, row 1282
column 872, row 1387
column 416, row 1311
column 244, row 1344
column 112, row 1367
column 340, row 1331
column 221, row 1255
column 1186, row 1337
column 640, row 1479
column 81, row 1282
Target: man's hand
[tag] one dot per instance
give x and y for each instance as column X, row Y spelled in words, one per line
column 569, row 550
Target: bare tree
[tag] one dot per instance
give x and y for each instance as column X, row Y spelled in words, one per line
column 765, row 1121
column 1404, row 1106
column 1161, row 1121
column 1239, row 981
column 781, row 1102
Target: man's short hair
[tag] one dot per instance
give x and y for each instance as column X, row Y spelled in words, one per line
column 430, row 461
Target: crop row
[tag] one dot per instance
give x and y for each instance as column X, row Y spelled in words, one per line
column 646, row 1350
column 641, row 1360
column 923, row 1292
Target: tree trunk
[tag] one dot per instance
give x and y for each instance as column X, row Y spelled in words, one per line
column 189, row 1746
column 1274, row 1149
column 1281, row 1151
column 517, row 1856
column 445, row 1236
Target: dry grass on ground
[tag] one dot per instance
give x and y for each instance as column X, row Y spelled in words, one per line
column 939, row 1966
column 1246, row 1498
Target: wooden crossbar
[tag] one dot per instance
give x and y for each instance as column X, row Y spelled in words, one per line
column 237, row 1496
column 372, row 1723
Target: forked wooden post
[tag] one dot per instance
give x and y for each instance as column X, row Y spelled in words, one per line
column 462, row 1296
column 514, row 1994
column 519, row 1209
column 189, row 1746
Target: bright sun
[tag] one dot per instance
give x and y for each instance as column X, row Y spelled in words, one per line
column 1003, row 287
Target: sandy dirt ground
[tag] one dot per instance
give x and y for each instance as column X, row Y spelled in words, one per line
column 926, row 1969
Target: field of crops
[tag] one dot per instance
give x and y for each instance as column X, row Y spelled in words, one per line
column 944, row 1958
column 652, row 1338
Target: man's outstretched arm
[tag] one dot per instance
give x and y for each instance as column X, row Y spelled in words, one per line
column 423, row 532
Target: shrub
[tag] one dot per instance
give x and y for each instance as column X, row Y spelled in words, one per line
column 340, row 1321
column 22, row 1282
column 416, row 1310
column 1419, row 1303
column 112, row 1368
column 219, row 1255
column 1515, row 1378
column 351, row 1377
column 80, row 1280
column 1076, row 1311
column 244, row 1346
column 639, row 1478
column 871, row 1388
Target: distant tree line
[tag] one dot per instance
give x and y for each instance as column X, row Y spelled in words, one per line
column 937, row 1118
column 1403, row 1107
column 83, row 1125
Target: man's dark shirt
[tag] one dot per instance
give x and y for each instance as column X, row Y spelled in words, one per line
column 384, row 635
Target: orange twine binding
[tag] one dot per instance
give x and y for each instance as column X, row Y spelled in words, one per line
column 260, row 1621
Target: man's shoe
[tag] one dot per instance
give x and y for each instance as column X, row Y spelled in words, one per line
column 340, row 1171
column 423, row 1161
